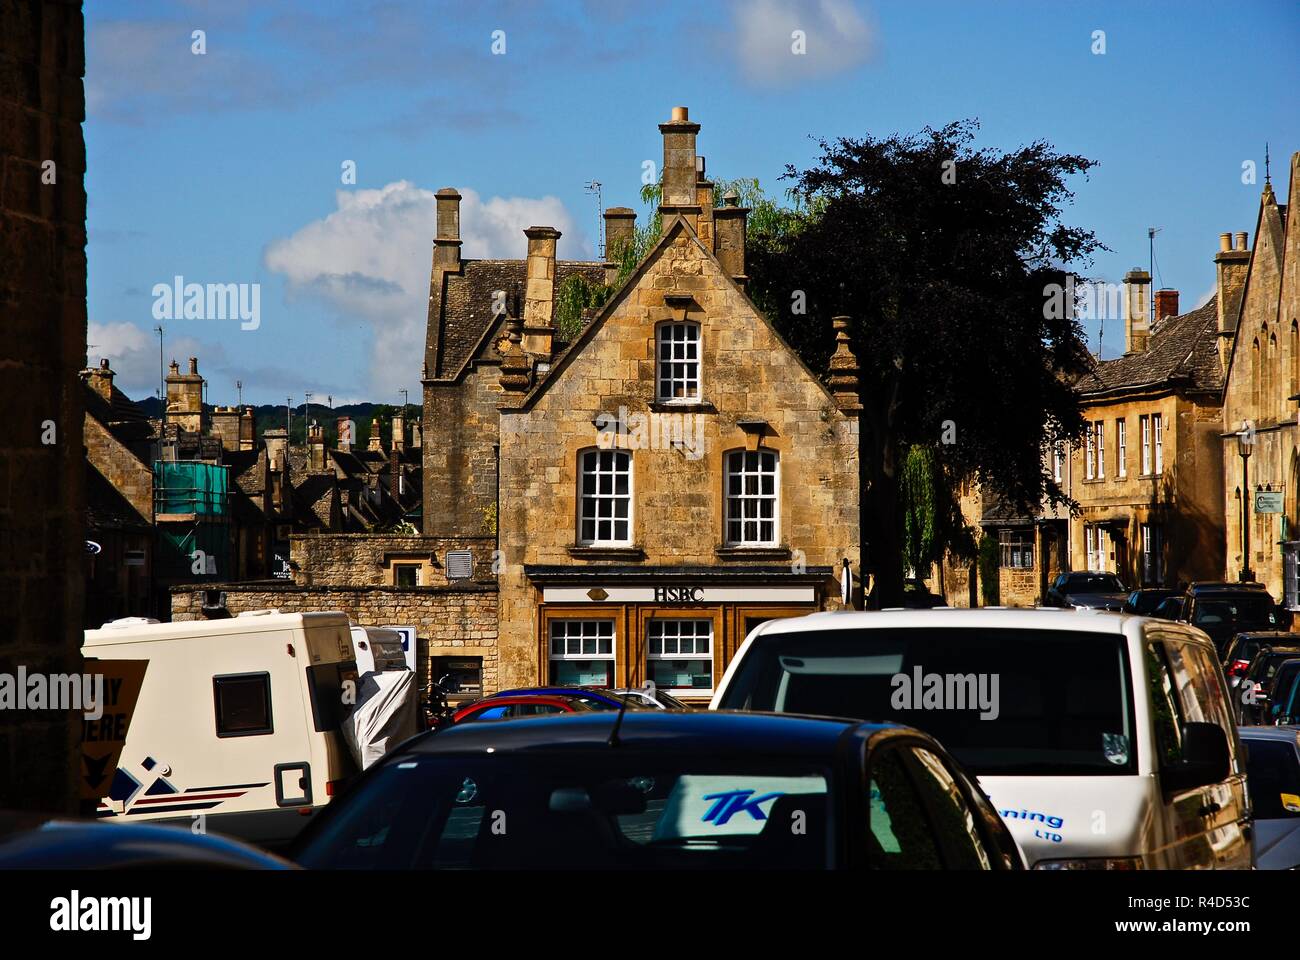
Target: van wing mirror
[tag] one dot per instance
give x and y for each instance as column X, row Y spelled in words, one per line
column 1206, row 759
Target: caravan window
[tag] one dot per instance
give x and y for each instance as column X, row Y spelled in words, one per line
column 243, row 704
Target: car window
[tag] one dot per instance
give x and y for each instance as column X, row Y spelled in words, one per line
column 1166, row 711
column 898, row 831
column 490, row 713
column 1253, row 611
column 1273, row 778
column 954, row 822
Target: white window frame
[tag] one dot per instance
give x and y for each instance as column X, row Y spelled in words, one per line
column 1144, row 422
column 599, row 457
column 1121, row 447
column 596, row 634
column 656, row 623
column 732, row 500
column 1100, row 427
column 1153, row 534
column 1095, row 537
column 1058, row 460
column 1157, row 429
column 666, row 336
column 1015, row 546
column 1089, row 450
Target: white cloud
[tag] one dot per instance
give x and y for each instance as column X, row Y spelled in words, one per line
column 369, row 259
column 132, row 353
column 836, row 37
column 1204, row 298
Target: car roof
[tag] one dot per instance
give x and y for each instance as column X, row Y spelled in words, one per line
column 697, row 734
column 1290, row 733
column 1266, row 635
column 508, row 699
column 1039, row 618
column 556, row 688
column 1219, row 586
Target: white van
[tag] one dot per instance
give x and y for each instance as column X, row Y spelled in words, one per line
column 237, row 720
column 1104, row 740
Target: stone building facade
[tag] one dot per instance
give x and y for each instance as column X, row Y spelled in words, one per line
column 668, row 479
column 43, row 314
column 1147, row 477
column 1261, row 334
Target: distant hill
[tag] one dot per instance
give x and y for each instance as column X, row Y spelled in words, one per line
column 268, row 416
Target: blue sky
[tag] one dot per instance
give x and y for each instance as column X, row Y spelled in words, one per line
column 226, row 167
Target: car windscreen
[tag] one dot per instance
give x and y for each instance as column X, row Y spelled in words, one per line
column 1273, row 778
column 1235, row 613
column 1002, row 701
column 1092, row 583
column 610, row 809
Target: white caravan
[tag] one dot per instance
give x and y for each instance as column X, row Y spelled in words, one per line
column 1104, row 740
column 237, row 725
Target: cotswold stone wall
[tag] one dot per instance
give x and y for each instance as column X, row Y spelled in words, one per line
column 361, row 559
column 449, row 620
column 43, row 315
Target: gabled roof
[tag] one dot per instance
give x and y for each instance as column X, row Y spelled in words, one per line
column 677, row 224
column 121, row 416
column 466, row 300
column 1183, row 351
column 106, row 508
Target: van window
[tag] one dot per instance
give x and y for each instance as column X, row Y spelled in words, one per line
column 1166, row 713
column 243, row 704
column 1004, row 702
column 326, row 681
column 1200, row 684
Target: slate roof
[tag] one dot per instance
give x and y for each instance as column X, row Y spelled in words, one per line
column 1183, row 351
column 106, row 508
column 466, row 303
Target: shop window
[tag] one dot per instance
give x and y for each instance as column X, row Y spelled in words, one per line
column 752, row 498
column 243, row 704
column 1017, row 548
column 582, row 652
column 680, row 654
column 605, row 511
column 679, row 361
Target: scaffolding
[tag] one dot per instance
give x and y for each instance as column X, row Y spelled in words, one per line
column 192, row 511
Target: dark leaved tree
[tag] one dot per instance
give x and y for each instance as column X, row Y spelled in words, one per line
column 945, row 258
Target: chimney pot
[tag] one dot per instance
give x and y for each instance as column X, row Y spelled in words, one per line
column 681, row 114
column 1241, row 240
column 446, row 241
column 194, row 364
column 1225, row 241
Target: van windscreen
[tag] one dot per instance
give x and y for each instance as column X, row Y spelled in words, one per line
column 1003, row 702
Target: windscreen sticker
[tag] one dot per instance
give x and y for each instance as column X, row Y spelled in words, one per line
column 1290, row 803
column 1115, row 748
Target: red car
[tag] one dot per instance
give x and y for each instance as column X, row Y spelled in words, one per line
column 524, row 705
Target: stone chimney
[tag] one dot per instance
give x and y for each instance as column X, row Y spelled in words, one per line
column 277, row 445
column 417, row 435
column 539, row 292
column 704, row 200
column 185, row 398
column 247, row 430
column 399, row 433
column 446, row 244
column 620, row 228
column 1230, row 266
column 315, row 448
column 729, row 245
column 679, row 173
column 376, row 439
column 226, row 424
column 101, row 380
column 344, row 426
column 515, row 378
column 1137, row 310
column 844, row 369
column 1166, row 304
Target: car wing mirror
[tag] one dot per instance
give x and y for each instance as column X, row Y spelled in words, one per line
column 1206, row 759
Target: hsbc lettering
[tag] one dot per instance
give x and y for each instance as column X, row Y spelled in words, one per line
column 679, row 594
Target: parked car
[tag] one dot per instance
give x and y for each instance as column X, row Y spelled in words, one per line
column 665, row 790
column 523, row 705
column 1225, row 609
column 1243, row 647
column 1145, row 602
column 1091, row 590
column 1274, row 781
column 36, row 841
column 654, row 700
column 1065, row 720
column 1256, row 686
column 1170, row 608
column 1282, row 707
column 599, row 698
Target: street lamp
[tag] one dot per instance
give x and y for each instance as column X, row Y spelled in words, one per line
column 1245, row 440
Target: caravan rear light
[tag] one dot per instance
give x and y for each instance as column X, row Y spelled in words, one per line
column 333, row 787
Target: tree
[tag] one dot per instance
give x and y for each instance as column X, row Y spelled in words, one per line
column 944, row 257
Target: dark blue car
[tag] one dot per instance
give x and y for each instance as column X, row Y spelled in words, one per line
column 663, row 790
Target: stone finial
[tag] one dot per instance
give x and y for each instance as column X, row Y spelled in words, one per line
column 514, row 364
column 844, row 369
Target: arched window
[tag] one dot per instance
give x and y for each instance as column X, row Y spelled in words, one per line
column 604, row 498
column 1295, row 358
column 1274, row 368
column 1255, row 373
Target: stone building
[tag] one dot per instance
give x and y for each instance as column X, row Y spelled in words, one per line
column 43, row 314
column 1147, row 477
column 661, row 479
column 1261, row 343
